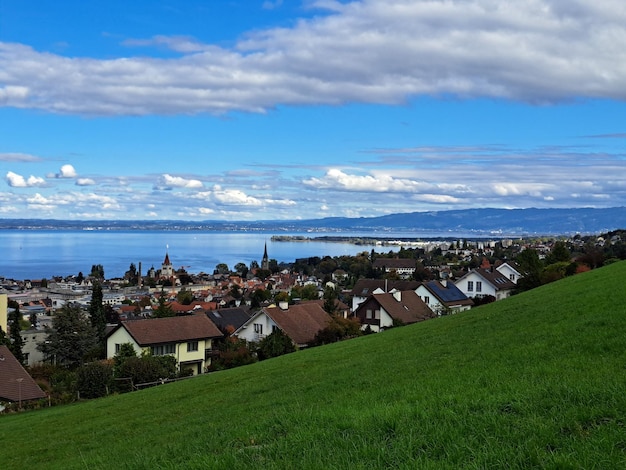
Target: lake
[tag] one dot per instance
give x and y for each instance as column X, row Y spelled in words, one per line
column 36, row 254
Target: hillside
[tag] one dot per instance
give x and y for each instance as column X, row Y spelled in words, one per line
column 533, row 381
column 478, row 222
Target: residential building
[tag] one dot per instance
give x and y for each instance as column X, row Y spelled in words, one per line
column 15, row 383
column 443, row 297
column 301, row 322
column 366, row 287
column 188, row 338
column 381, row 311
column 482, row 282
column 401, row 266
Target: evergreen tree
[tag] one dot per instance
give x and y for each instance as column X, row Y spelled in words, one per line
column 330, row 300
column 4, row 340
column 275, row 344
column 163, row 310
column 15, row 332
column 96, row 312
column 71, row 337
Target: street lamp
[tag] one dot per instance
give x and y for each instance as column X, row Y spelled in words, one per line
column 19, row 386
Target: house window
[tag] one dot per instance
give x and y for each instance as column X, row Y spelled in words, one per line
column 117, row 347
column 470, row 286
column 274, row 328
column 258, row 328
column 479, row 286
column 192, row 346
column 512, row 277
column 368, row 314
column 376, row 314
column 163, row 349
column 427, row 300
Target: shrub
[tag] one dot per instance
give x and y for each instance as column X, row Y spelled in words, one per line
column 94, row 380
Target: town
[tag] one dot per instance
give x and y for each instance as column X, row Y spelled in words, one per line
column 85, row 336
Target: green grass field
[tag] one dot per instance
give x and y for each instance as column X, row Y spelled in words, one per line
column 535, row 381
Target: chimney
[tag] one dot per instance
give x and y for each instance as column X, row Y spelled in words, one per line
column 283, row 305
column 397, row 295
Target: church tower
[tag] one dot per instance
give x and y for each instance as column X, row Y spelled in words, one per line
column 167, row 270
column 265, row 262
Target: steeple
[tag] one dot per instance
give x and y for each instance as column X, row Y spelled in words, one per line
column 265, row 262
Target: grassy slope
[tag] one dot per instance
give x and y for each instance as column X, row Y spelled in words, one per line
column 537, row 380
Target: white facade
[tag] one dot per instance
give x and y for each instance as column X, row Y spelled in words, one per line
column 257, row 328
column 509, row 272
column 474, row 285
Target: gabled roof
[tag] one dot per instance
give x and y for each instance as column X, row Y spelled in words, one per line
column 409, row 309
column 339, row 305
column 449, row 294
column 15, row 383
column 365, row 287
column 171, row 329
column 496, row 279
column 301, row 322
column 224, row 317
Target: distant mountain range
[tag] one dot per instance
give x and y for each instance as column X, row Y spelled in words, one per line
column 477, row 221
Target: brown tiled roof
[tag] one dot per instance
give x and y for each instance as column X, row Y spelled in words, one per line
column 10, row 387
column 339, row 305
column 171, row 329
column 409, row 309
column 365, row 287
column 301, row 322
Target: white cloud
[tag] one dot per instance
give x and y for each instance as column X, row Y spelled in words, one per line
column 168, row 182
column 18, row 157
column 66, row 171
column 18, row 181
column 85, row 182
column 337, row 179
column 375, row 51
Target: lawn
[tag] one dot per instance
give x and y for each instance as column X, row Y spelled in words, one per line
column 534, row 381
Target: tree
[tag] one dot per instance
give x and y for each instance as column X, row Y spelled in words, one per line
column 184, row 296
column 131, row 275
column 559, row 254
column 126, row 351
column 531, row 266
column 15, row 331
column 96, row 313
column 330, row 300
column 242, row 269
column 337, row 329
column 275, row 344
column 80, row 278
column 4, row 340
column 70, row 338
column 94, row 380
column 148, row 368
column 97, row 271
column 163, row 310
column 222, row 268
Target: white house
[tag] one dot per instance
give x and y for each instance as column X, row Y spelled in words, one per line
column 188, row 338
column 510, row 270
column 443, row 296
column 481, row 282
column 301, row 322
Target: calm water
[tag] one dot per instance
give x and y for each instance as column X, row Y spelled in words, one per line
column 36, row 254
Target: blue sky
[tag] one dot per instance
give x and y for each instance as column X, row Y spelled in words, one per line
column 298, row 109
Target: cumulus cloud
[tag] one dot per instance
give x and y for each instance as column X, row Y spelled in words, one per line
column 373, row 51
column 168, row 182
column 337, row 179
column 18, row 181
column 85, row 182
column 66, row 171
